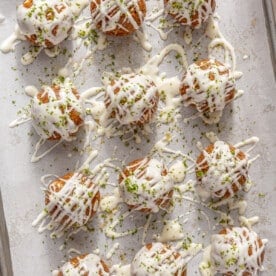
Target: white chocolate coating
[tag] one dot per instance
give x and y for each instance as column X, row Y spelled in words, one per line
column 72, row 206
column 239, row 250
column 159, row 260
column 117, row 17
column 225, row 168
column 45, row 22
column 190, row 12
column 133, row 98
column 146, row 185
column 57, row 117
column 86, row 265
column 172, row 231
column 209, row 86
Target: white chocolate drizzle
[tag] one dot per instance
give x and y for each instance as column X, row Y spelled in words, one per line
column 178, row 171
column 35, row 156
column 31, row 55
column 19, row 121
column 172, row 231
column 253, row 140
column 31, row 91
column 112, row 251
column 248, row 222
column 241, row 205
column 151, row 67
column 9, row 44
column 142, row 38
column 120, row 270
column 109, row 203
column 110, row 228
column 146, row 228
column 218, row 40
column 153, row 15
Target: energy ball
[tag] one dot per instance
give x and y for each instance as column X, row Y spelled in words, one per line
column 45, row 23
column 221, row 171
column 237, row 251
column 146, row 186
column 208, row 86
column 132, row 99
column 57, row 112
column 71, row 201
column 118, row 18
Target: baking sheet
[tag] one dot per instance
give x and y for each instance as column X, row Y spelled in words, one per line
column 243, row 24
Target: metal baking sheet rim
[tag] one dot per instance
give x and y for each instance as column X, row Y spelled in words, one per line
column 5, row 255
column 269, row 10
